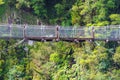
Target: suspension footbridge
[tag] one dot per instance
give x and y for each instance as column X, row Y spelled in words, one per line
column 57, row 33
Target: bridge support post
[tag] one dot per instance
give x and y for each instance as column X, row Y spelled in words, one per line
column 93, row 33
column 10, row 30
column 24, row 30
column 10, row 26
column 57, row 33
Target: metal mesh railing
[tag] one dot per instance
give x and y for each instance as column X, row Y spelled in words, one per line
column 17, row 32
column 75, row 33
column 11, row 31
column 111, row 32
column 40, row 32
column 107, row 33
column 4, row 31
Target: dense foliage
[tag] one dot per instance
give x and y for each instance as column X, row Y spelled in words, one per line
column 60, row 60
column 96, row 12
column 64, row 12
column 1, row 2
column 14, row 61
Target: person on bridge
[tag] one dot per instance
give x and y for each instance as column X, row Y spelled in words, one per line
column 38, row 22
column 10, row 21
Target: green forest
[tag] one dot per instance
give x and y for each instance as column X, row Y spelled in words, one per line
column 97, row 60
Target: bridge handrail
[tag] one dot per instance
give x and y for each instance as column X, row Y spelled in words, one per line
column 26, row 31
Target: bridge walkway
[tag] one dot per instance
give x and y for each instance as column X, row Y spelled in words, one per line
column 56, row 33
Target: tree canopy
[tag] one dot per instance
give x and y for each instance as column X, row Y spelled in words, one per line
column 69, row 12
column 1, row 2
column 89, row 60
column 92, row 12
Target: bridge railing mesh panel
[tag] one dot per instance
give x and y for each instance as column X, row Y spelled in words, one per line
column 110, row 33
column 11, row 31
column 75, row 33
column 4, row 31
column 40, row 32
column 100, row 33
column 17, row 32
column 114, row 33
